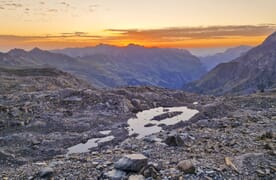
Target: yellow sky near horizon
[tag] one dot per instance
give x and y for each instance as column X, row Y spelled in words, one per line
column 177, row 23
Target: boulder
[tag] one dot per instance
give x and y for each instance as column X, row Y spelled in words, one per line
column 131, row 163
column 174, row 139
column 186, row 166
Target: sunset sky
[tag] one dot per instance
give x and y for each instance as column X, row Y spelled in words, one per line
column 50, row 24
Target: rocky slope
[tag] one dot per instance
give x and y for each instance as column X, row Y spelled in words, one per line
column 43, row 111
column 231, row 137
column 15, row 79
column 253, row 71
column 232, row 53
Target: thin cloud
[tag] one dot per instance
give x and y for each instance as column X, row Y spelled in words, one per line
column 182, row 33
column 166, row 34
column 93, row 7
column 79, row 34
column 60, row 36
column 13, row 5
column 52, row 10
column 65, row 4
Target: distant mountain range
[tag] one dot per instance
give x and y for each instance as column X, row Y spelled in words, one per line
column 253, row 71
column 213, row 60
column 110, row 66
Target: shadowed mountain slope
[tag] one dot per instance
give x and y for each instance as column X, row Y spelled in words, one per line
column 255, row 70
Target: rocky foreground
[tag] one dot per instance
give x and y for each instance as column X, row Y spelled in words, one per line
column 231, row 137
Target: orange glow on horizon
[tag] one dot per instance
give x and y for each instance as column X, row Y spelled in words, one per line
column 57, row 43
column 198, row 43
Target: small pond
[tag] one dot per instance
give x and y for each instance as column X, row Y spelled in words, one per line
column 91, row 143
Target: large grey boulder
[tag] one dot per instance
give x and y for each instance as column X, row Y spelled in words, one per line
column 131, row 163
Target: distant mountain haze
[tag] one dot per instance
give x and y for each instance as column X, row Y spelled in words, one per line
column 110, row 66
column 212, row 61
column 137, row 65
column 253, row 71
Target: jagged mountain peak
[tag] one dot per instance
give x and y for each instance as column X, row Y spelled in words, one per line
column 132, row 45
column 17, row 52
column 102, row 45
column 37, row 50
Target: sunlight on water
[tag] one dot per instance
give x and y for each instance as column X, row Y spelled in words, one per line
column 137, row 125
column 91, row 143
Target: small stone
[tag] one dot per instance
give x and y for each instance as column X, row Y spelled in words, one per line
column 149, row 125
column 94, row 153
column 108, row 163
column 150, row 171
column 186, row 166
column 35, row 142
column 268, row 146
column 132, row 162
column 229, row 162
column 267, row 135
column 267, row 171
column 260, row 172
column 100, row 167
column 152, row 139
column 115, row 175
column 73, row 98
column 147, row 152
column 108, row 151
column 46, row 172
column 31, row 178
column 95, row 164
